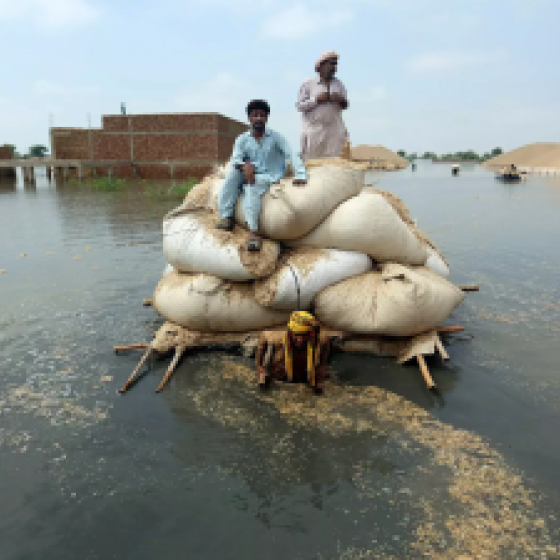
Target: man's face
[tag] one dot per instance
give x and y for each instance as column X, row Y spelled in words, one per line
column 328, row 68
column 300, row 340
column 258, row 118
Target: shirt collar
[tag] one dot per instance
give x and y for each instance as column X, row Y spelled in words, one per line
column 267, row 132
column 318, row 80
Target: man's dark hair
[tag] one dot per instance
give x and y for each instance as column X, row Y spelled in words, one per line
column 258, row 104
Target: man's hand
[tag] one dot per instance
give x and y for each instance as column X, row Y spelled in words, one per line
column 337, row 98
column 299, row 182
column 249, row 174
column 261, row 373
column 323, row 97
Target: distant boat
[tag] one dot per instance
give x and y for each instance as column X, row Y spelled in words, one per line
column 509, row 175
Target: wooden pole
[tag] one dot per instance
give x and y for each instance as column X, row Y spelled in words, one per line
column 469, row 288
column 142, row 345
column 134, row 375
column 425, row 372
column 441, row 349
column 450, row 329
column 178, row 353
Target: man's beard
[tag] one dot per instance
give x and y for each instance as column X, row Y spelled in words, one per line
column 259, row 127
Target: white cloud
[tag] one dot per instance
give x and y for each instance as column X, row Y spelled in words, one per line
column 50, row 13
column 443, row 62
column 300, row 21
column 224, row 93
column 45, row 87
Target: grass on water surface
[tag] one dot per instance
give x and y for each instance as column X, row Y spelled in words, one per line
column 112, row 184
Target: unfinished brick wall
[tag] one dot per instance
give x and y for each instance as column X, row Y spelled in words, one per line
column 5, row 152
column 192, row 142
column 6, row 172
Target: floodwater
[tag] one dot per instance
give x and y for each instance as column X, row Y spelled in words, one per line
column 211, row 468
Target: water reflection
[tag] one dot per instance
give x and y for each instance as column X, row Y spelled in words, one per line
column 218, row 454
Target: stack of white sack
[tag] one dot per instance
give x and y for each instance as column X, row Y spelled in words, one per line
column 395, row 301
column 289, row 211
column 328, row 246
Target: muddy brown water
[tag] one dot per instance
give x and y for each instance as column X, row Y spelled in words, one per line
column 211, row 468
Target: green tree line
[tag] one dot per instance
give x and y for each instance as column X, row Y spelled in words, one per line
column 37, row 150
column 469, row 155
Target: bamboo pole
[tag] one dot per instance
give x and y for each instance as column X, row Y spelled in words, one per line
column 131, row 347
column 425, row 372
column 450, row 329
column 441, row 349
column 469, row 288
column 132, row 378
column 178, row 353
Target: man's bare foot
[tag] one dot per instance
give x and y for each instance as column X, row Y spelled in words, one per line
column 226, row 224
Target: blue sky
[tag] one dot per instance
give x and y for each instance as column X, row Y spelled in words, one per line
column 421, row 75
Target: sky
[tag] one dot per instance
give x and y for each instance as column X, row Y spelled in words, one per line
column 421, row 75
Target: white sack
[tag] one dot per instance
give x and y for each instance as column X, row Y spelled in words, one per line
column 368, row 223
column 436, row 264
column 205, row 303
column 289, row 211
column 308, row 271
column 191, row 243
column 398, row 301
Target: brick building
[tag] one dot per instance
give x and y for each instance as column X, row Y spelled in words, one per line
column 6, row 172
column 161, row 146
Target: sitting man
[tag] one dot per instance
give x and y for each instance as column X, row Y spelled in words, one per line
column 258, row 161
column 297, row 355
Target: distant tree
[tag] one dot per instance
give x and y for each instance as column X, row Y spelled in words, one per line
column 412, row 156
column 38, row 150
column 429, row 155
column 401, row 153
column 497, row 152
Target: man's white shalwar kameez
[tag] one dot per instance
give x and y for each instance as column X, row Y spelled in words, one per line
column 323, row 132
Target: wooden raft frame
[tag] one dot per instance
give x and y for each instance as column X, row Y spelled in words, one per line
column 174, row 337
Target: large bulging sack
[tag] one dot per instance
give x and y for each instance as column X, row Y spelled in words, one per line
column 289, row 211
column 434, row 258
column 191, row 243
column 436, row 263
column 205, row 303
column 368, row 223
column 306, row 272
column 200, row 194
column 397, row 301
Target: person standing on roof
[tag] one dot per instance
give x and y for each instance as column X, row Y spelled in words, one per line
column 321, row 101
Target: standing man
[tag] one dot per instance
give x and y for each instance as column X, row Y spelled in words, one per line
column 321, row 101
column 258, row 161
